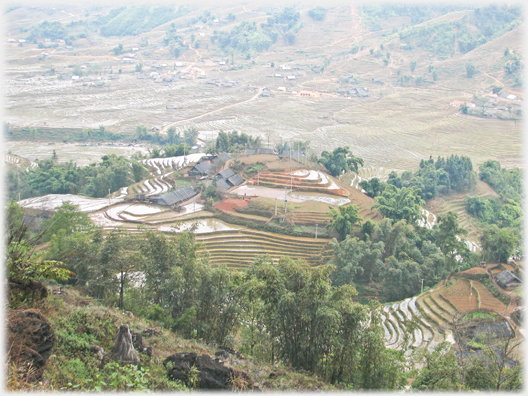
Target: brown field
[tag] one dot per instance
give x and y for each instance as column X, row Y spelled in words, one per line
column 487, row 300
column 461, row 295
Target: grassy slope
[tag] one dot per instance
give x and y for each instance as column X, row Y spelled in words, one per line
column 100, row 326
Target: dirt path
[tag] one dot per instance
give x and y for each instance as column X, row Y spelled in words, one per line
column 498, row 82
column 165, row 127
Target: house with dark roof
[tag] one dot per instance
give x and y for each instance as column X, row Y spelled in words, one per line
column 220, row 159
column 202, row 169
column 294, row 154
column 176, row 197
column 507, row 279
column 227, row 179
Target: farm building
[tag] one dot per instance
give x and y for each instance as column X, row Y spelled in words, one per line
column 309, row 94
column 176, row 197
column 259, row 151
column 294, row 154
column 221, row 159
column 202, row 169
column 227, row 179
column 507, row 279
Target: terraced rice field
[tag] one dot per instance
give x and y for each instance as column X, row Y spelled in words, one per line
column 461, row 295
column 403, row 319
column 303, row 180
column 238, row 248
column 457, row 204
column 161, row 165
column 487, row 300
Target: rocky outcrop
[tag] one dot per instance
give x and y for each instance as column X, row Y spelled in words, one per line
column 123, row 349
column 212, row 374
column 137, row 341
column 30, row 341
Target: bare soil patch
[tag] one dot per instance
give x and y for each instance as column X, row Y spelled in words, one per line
column 232, row 204
column 461, row 296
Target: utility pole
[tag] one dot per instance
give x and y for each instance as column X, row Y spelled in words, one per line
column 275, row 206
column 422, row 285
column 285, row 200
column 258, row 178
column 316, row 231
column 291, row 170
column 109, row 199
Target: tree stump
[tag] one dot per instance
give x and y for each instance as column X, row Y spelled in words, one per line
column 123, row 349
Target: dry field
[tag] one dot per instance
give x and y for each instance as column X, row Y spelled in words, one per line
column 393, row 128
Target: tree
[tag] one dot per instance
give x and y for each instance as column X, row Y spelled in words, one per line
column 171, row 133
column 372, row 187
column 464, row 108
column 69, row 218
column 471, row 70
column 318, row 13
column 113, row 271
column 190, row 135
column 139, row 67
column 344, row 221
column 440, row 372
column 339, row 161
column 355, row 259
column 412, row 66
column 448, row 239
column 498, row 243
column 400, row 204
column 139, row 171
column 141, row 132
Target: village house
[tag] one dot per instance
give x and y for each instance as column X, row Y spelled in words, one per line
column 228, row 179
column 176, row 197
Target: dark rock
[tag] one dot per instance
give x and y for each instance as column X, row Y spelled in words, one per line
column 212, row 374
column 221, row 354
column 30, row 341
column 123, row 349
column 98, row 351
column 151, row 332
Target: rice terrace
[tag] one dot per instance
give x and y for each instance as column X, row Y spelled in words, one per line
column 321, row 196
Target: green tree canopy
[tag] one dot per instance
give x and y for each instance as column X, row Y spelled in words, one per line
column 339, row 161
column 344, row 220
column 400, row 204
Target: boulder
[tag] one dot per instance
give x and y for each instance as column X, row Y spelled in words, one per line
column 212, row 374
column 123, row 349
column 30, row 340
column 137, row 341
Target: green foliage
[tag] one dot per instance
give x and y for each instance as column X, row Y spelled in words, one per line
column 286, row 23
column 134, row 20
column 318, row 13
column 245, row 37
column 356, row 261
column 23, row 264
column 438, row 177
column 471, row 70
column 449, row 239
column 441, row 371
column 498, row 244
column 344, row 221
column 373, row 187
column 507, row 182
column 400, row 204
column 233, row 142
column 412, row 65
column 66, row 178
column 339, row 161
column 69, row 218
column 315, row 327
